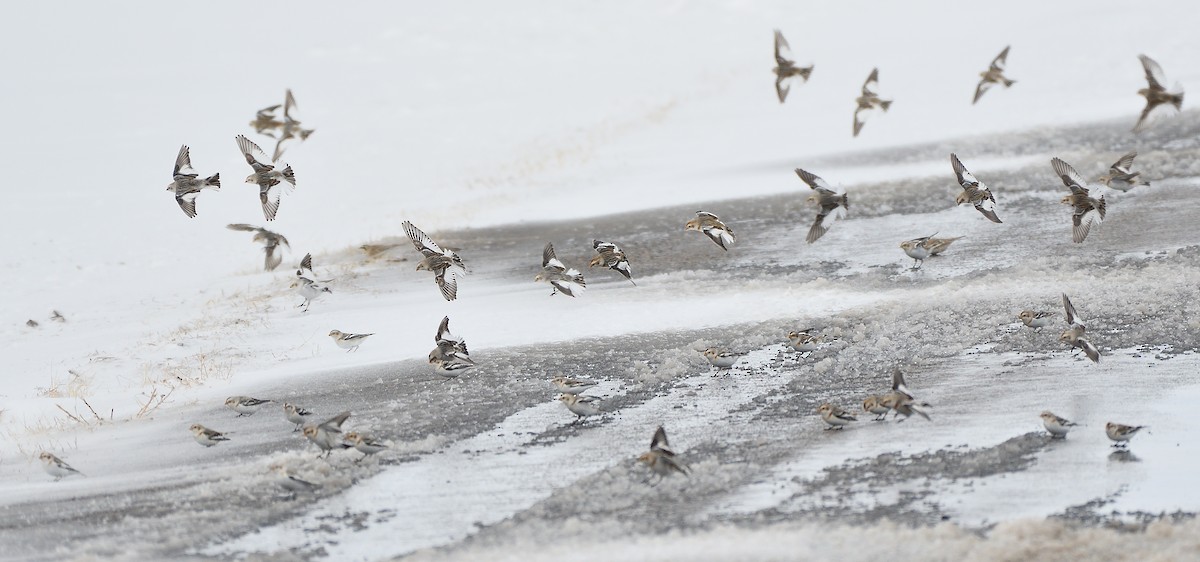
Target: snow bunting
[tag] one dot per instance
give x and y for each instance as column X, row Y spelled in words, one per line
column 365, row 444
column 901, row 400
column 1120, row 175
column 974, row 191
column 348, row 342
column 1156, row 93
column 57, row 316
column 450, row 368
column 581, row 405
column 55, row 466
column 993, row 75
column 785, row 67
column 449, row 346
column 1058, row 427
column 310, row 290
column 296, row 415
column 831, row 203
column 289, row 482
column 187, row 184
column 712, row 227
column 327, row 434
column 611, row 256
column 206, row 436
column 1088, row 208
column 289, row 128
column 917, row 249
column 568, row 281
column 872, row 405
column 265, row 176
column 265, row 122
column 660, row 458
column 1121, row 434
column 244, row 405
column 1038, row 319
column 803, row 341
column 1075, row 335
column 32, row 323
column 720, row 358
column 868, row 101
column 270, row 241
column 437, row 260
column 835, row 416
column 939, row 245
column 571, row 386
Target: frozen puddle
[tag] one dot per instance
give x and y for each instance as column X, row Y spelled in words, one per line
column 446, row 496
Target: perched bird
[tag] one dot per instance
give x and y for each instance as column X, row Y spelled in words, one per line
column 868, row 101
column 721, row 359
column 327, row 434
column 831, row 203
column 206, row 436
column 568, row 281
column 571, row 386
column 712, row 227
column 835, row 416
column 993, row 75
column 1088, row 208
column 803, row 341
column 270, row 241
column 310, row 290
column 917, row 249
column 450, row 368
column 289, row 128
column 55, row 466
column 449, row 346
column 187, row 184
column 1156, row 93
column 265, row 176
column 296, row 415
column 1058, row 427
column 57, row 316
column 938, row 245
column 1120, row 175
column 437, row 260
column 1038, row 319
column 1121, row 434
column 785, row 67
column 244, row 405
column 974, row 191
column 348, row 342
column 1075, row 336
column 872, row 404
column 611, row 256
column 365, row 444
column 32, row 323
column 289, row 482
column 581, row 405
column 660, row 458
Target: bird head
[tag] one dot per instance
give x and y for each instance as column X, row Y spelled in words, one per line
column 252, row 178
column 1067, row 337
column 597, row 260
column 196, row 428
column 46, row 457
column 310, row 431
column 825, row 408
column 648, row 458
column 962, row 198
column 1046, row 415
column 1026, row 316
column 693, row 224
column 335, row 333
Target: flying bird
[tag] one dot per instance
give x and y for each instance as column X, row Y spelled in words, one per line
column 1156, row 93
column 868, row 101
column 993, row 75
column 712, row 227
column 660, row 458
column 1075, row 335
column 290, row 126
column 187, row 184
column 1121, row 176
column 785, row 67
column 974, row 191
column 265, row 175
column 445, row 264
column 831, row 203
column 327, row 435
column 1088, row 209
column 270, row 241
column 568, row 281
column 611, row 256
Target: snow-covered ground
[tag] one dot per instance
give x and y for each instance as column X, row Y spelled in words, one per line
column 498, row 128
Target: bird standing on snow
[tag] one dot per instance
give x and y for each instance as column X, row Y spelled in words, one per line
column 712, row 227
column 296, row 415
column 1121, row 434
column 270, row 241
column 1121, row 176
column 611, row 256
column 993, row 75
column 917, row 249
column 55, row 466
column 187, row 184
column 1036, row 319
column 365, row 444
column 348, row 342
column 803, row 340
column 244, row 405
column 437, row 260
column 868, row 101
column 831, row 203
column 835, row 416
column 1156, row 93
column 974, row 191
column 205, row 436
column 568, row 281
column 785, row 67
column 567, row 385
column 1075, row 335
column 1058, row 427
column 265, row 176
column 580, row 405
column 939, row 245
column 1087, row 208
column 721, row 359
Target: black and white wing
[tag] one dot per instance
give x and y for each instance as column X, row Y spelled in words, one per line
column 421, row 241
column 269, row 195
column 187, row 202
column 1154, row 73
column 1124, row 164
column 783, row 51
column 549, row 260
column 898, row 383
column 814, row 181
column 1068, row 175
column 1001, row 60
column 1073, row 318
column 659, row 441
column 254, row 155
column 183, row 163
column 872, row 84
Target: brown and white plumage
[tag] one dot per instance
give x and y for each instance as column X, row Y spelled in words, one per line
column 245, row 405
column 55, row 466
column 872, row 405
column 804, row 341
column 205, row 436
column 660, row 458
column 348, row 342
column 938, row 245
column 611, row 256
column 868, row 101
column 1121, row 433
column 712, row 227
column 567, row 385
column 445, row 264
column 720, row 358
column 365, row 444
column 1075, row 336
column 1088, row 209
column 785, row 67
column 270, row 241
column 901, row 400
column 265, row 175
column 1036, row 319
column 993, row 75
column 1121, row 176
column 186, row 183
column 296, row 414
column 327, row 434
column 1156, row 93
column 832, row 204
column 289, row 128
column 1058, row 427
column 449, row 346
column 565, row 280
column 974, row 191
column 917, row 249
column 835, row 416
column 581, row 405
